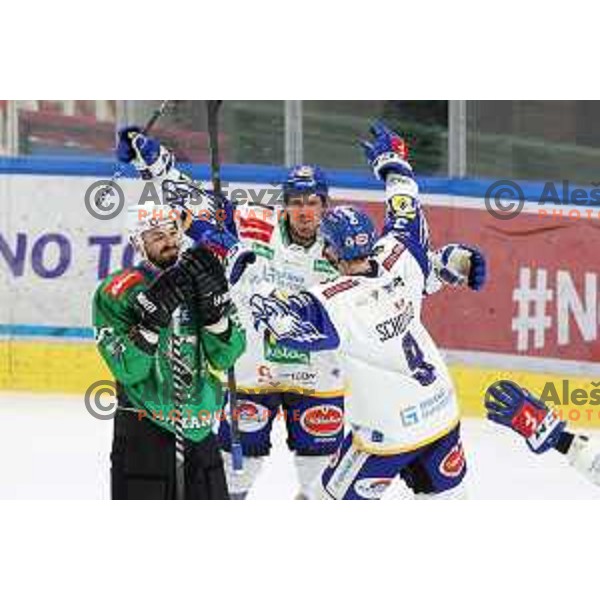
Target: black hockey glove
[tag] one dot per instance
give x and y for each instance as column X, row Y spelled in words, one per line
column 211, row 296
column 156, row 305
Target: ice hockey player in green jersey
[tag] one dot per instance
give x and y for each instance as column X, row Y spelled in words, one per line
column 139, row 314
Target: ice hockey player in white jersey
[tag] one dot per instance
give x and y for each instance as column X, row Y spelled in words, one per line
column 400, row 400
column 518, row 409
column 274, row 382
column 284, row 249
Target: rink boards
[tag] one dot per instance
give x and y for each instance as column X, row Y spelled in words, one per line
column 536, row 321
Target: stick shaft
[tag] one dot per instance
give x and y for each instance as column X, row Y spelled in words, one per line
column 213, row 107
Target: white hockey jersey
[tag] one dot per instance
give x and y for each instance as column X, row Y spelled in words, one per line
column 268, row 366
column 399, row 394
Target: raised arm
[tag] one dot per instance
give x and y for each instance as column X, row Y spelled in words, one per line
column 452, row 264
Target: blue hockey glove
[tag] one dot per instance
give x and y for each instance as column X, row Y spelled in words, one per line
column 146, row 154
column 387, row 153
column 515, row 407
column 458, row 264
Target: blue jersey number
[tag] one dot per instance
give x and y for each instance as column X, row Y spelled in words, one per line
column 422, row 371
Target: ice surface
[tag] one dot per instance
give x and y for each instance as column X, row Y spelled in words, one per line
column 50, row 447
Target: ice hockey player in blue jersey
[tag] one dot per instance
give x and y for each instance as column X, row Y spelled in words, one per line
column 400, row 401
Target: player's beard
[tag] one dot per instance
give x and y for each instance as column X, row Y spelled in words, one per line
column 166, row 258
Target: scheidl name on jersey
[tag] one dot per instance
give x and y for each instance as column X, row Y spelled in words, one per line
column 396, row 325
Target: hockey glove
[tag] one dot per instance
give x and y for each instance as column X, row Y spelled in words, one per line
column 515, row 407
column 156, row 305
column 211, row 290
column 458, row 264
column 146, row 154
column 387, row 153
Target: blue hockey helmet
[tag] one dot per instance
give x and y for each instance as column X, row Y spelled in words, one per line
column 349, row 232
column 305, row 179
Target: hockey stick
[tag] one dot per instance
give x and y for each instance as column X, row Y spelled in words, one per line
column 154, row 117
column 179, row 374
column 212, row 107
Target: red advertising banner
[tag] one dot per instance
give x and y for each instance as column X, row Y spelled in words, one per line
column 541, row 298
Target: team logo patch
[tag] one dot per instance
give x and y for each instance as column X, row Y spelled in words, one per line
column 252, row 417
column 322, row 420
column 372, row 488
column 453, row 463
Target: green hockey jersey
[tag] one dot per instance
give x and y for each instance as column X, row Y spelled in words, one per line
column 145, row 381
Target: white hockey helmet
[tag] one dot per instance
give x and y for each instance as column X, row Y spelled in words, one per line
column 140, row 219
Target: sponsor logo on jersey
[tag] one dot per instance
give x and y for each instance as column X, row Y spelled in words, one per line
column 453, row 463
column 409, row 416
column 252, row 417
column 264, row 374
column 276, row 353
column 340, row 287
column 435, row 403
column 123, row 282
column 146, row 303
column 302, row 376
column 403, row 206
column 262, row 250
column 414, row 414
column 322, row 265
column 393, row 257
column 396, row 325
column 372, row 488
column 350, row 463
column 281, row 278
column 322, row 420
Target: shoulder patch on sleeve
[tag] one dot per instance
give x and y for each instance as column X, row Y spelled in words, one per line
column 392, row 258
column 123, row 281
column 338, row 288
column 255, row 228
